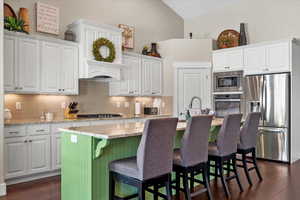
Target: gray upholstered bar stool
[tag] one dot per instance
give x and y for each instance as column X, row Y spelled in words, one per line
column 192, row 157
column 247, row 145
column 153, row 164
column 224, row 151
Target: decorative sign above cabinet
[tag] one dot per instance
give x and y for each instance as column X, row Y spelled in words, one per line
column 47, row 18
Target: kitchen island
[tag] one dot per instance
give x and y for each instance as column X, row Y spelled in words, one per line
column 87, row 151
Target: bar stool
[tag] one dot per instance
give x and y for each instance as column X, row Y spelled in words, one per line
column 192, row 157
column 224, row 151
column 247, row 145
column 153, row 164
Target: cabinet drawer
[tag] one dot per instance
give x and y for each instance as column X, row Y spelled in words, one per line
column 78, row 124
column 55, row 127
column 14, row 131
column 39, row 129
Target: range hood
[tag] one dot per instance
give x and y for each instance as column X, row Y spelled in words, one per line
column 87, row 32
column 103, row 71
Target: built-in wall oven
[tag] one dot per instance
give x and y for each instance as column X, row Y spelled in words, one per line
column 225, row 104
column 228, row 81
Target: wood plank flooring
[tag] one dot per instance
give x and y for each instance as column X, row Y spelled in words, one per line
column 281, row 182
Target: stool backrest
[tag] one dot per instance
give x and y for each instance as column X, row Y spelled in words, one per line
column 194, row 149
column 228, row 137
column 155, row 151
column 249, row 131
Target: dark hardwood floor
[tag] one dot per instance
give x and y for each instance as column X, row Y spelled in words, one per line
column 281, row 182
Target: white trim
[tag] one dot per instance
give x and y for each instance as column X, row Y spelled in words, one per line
column 95, row 24
column 32, row 177
column 2, row 189
column 239, row 92
column 189, row 65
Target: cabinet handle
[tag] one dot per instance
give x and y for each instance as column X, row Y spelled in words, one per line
column 25, row 141
column 63, row 89
column 21, row 88
column 266, row 69
column 227, row 67
column 59, row 90
column 30, row 141
column 41, row 130
column 16, row 88
column 131, row 92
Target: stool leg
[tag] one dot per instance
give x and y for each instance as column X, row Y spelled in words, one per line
column 169, row 188
column 228, row 168
column 187, row 192
column 245, row 167
column 111, row 186
column 206, row 181
column 177, row 185
column 155, row 194
column 236, row 173
column 255, row 164
column 141, row 189
column 192, row 183
column 220, row 167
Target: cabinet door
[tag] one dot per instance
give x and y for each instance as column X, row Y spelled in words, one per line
column 134, row 68
column 146, row 76
column 69, row 70
column 51, row 64
column 10, row 63
column 235, row 59
column 254, row 59
column 56, row 160
column 156, row 70
column 15, row 156
column 278, row 57
column 28, row 65
column 38, row 154
column 219, row 61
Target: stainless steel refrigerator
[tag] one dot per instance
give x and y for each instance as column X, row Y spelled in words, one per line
column 270, row 95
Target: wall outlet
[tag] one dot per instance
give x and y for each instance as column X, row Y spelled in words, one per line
column 118, row 104
column 163, row 104
column 126, row 104
column 18, row 106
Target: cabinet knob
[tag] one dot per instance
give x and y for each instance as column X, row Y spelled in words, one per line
column 59, row 90
column 25, row 141
column 30, row 141
column 16, row 88
column 21, row 88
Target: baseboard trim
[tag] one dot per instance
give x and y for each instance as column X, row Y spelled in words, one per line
column 2, row 189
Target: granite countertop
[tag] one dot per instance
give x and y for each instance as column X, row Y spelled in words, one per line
column 62, row 120
column 121, row 130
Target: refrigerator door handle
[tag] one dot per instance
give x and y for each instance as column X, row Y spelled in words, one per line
column 262, row 99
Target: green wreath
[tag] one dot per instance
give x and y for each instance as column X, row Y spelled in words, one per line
column 96, row 50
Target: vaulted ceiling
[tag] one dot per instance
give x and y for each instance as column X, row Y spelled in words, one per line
column 193, row 8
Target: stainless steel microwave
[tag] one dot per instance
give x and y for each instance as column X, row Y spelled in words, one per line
column 228, row 81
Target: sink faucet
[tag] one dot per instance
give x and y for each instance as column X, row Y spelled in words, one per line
column 192, row 101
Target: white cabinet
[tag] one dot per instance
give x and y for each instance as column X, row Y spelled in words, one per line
column 255, row 59
column 38, row 154
column 228, row 60
column 151, row 76
column 35, row 64
column 278, row 57
column 21, row 64
column 15, row 157
column 59, row 69
column 56, row 151
column 141, row 77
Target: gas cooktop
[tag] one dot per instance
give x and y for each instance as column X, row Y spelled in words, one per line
column 101, row 115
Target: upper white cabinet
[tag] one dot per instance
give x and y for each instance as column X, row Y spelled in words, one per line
column 228, row 60
column 59, row 69
column 151, row 76
column 268, row 57
column 21, row 64
column 142, row 76
column 36, row 64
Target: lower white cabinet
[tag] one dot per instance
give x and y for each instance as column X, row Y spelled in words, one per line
column 15, row 157
column 26, row 155
column 38, row 154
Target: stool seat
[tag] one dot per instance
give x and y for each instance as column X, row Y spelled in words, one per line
column 126, row 166
column 213, row 150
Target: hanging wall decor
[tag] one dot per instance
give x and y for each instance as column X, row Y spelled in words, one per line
column 47, row 18
column 127, row 36
column 104, row 50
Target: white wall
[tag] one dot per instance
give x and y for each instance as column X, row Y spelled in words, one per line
column 267, row 20
column 2, row 184
column 152, row 19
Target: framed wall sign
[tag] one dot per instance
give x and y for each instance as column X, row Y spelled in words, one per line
column 47, row 18
column 127, row 36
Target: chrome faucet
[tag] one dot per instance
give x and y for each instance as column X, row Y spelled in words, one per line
column 192, row 101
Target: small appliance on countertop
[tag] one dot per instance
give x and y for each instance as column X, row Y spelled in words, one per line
column 99, row 115
column 7, row 114
column 150, row 110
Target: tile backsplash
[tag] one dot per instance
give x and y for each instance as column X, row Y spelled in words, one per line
column 93, row 98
